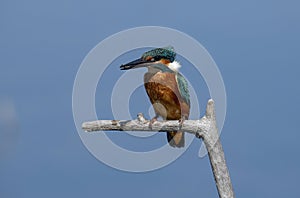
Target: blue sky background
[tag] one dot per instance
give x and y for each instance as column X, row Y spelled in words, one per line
column 42, row 43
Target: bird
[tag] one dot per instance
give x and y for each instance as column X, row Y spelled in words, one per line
column 166, row 88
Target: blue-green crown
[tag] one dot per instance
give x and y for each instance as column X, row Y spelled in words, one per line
column 161, row 53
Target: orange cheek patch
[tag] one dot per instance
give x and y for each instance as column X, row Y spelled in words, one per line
column 165, row 61
column 148, row 58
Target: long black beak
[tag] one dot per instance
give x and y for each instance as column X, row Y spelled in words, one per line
column 134, row 64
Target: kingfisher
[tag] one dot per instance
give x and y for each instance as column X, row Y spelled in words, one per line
column 166, row 88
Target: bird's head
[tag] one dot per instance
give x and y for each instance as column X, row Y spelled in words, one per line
column 158, row 57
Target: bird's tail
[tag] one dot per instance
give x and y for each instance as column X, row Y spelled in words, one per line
column 176, row 139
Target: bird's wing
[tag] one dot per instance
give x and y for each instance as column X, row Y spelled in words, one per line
column 183, row 88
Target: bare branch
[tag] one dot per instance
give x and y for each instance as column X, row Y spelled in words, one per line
column 205, row 128
column 141, row 124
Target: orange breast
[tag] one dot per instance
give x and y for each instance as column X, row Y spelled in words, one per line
column 164, row 95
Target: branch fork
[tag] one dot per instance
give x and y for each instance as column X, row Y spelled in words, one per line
column 205, row 128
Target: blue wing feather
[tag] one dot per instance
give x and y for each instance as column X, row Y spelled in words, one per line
column 183, row 88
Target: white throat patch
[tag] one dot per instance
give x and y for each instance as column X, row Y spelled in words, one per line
column 174, row 66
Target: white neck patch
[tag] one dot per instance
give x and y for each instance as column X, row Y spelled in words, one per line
column 174, row 66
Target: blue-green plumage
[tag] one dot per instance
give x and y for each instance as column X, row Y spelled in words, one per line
column 159, row 53
column 183, row 88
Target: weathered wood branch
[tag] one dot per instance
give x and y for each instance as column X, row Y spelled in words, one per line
column 205, row 128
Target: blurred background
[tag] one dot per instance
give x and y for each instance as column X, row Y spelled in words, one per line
column 42, row 44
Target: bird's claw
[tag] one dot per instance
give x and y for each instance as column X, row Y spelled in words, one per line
column 154, row 119
column 181, row 121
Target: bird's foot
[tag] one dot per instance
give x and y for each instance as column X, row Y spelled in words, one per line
column 181, row 121
column 154, row 119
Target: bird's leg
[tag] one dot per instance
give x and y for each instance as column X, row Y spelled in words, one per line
column 181, row 121
column 154, row 119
